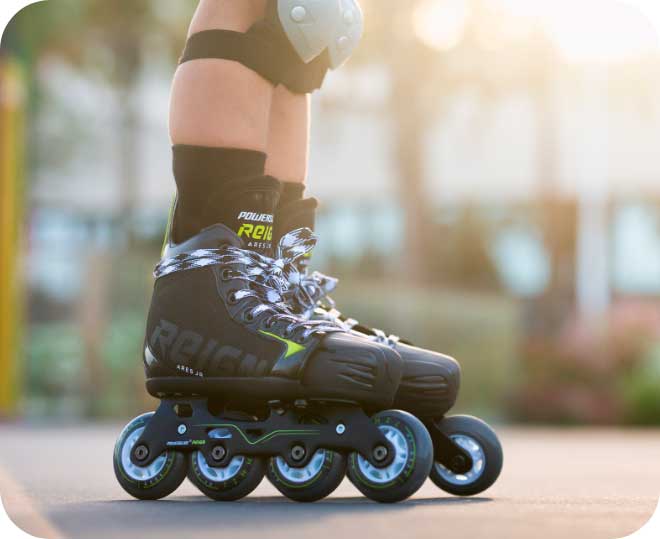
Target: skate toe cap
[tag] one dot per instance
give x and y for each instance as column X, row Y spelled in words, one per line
column 430, row 382
column 363, row 369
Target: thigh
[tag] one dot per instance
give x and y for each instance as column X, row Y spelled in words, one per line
column 236, row 15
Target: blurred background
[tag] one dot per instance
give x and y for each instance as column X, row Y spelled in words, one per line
column 501, row 159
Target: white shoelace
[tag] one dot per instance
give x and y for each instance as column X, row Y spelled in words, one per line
column 267, row 280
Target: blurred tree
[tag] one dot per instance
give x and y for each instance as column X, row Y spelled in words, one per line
column 488, row 60
column 416, row 89
column 111, row 41
column 463, row 258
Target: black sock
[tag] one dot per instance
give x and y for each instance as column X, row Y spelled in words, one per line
column 300, row 213
column 293, row 211
column 291, row 192
column 224, row 185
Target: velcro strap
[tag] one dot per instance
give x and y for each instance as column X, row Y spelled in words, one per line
column 262, row 50
column 253, row 51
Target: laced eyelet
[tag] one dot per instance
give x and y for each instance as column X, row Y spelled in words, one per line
column 248, row 316
column 225, row 275
column 270, row 323
column 231, row 298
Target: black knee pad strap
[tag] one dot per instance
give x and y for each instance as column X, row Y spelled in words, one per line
column 251, row 51
column 263, row 50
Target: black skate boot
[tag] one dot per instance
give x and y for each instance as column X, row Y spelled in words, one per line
column 468, row 455
column 248, row 388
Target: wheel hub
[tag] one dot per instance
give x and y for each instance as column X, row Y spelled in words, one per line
column 390, row 472
column 218, row 453
column 478, row 462
column 140, row 473
column 303, row 474
column 458, row 462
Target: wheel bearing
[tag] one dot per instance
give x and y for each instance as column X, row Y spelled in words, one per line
column 218, row 453
column 141, row 452
column 380, row 453
column 298, row 453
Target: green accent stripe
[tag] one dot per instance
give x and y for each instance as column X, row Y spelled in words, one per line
column 267, row 437
column 168, row 230
column 292, row 348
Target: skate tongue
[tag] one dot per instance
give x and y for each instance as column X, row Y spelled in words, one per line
column 213, row 237
column 294, row 215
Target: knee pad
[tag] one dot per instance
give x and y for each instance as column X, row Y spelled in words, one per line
column 313, row 26
column 295, row 45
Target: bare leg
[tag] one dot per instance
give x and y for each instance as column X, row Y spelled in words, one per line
column 288, row 136
column 218, row 103
column 219, row 122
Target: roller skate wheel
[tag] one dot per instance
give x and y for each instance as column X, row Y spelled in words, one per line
column 398, row 464
column 226, row 483
column 139, row 473
column 312, row 482
column 151, row 482
column 304, row 474
column 478, row 462
column 406, row 470
column 224, row 473
column 479, row 440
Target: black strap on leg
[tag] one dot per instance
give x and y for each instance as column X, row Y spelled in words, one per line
column 264, row 52
column 250, row 50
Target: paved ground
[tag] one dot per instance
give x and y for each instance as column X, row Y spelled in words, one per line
column 58, row 482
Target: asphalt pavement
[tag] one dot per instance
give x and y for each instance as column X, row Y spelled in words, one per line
column 57, row 482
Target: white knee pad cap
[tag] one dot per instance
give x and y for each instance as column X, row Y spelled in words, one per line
column 315, row 25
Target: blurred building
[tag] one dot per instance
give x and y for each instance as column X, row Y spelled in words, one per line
column 483, row 155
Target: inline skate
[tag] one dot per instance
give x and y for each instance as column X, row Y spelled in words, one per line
column 467, row 453
column 248, row 389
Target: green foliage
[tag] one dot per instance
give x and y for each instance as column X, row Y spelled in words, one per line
column 53, row 353
column 595, row 375
column 59, row 380
column 43, row 26
column 97, row 373
column 99, row 36
column 641, row 390
column 460, row 254
column 122, row 356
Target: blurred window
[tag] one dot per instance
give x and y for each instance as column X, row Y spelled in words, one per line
column 636, row 249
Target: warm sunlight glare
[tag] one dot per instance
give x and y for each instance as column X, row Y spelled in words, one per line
column 583, row 30
column 440, row 23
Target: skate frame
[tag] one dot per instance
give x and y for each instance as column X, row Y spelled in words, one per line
column 183, row 424
column 447, row 452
